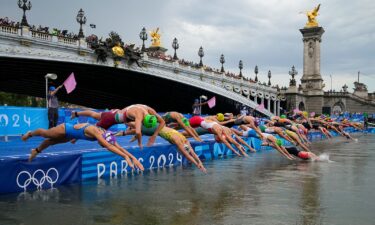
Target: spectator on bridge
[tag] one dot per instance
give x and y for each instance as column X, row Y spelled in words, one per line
column 53, row 106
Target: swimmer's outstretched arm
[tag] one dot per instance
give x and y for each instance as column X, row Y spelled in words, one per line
column 131, row 156
column 189, row 130
column 226, row 122
column 152, row 139
column 111, row 147
column 244, row 142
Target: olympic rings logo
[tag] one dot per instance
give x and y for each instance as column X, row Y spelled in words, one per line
column 38, row 178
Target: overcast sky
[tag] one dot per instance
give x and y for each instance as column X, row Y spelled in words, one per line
column 259, row 32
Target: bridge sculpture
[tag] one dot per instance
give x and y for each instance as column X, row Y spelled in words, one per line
column 25, row 43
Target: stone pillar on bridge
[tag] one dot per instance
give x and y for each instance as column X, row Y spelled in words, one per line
column 278, row 108
column 274, row 107
column 269, row 104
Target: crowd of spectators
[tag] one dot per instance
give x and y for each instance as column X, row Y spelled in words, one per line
column 60, row 33
column 54, row 31
column 9, row 23
column 158, row 55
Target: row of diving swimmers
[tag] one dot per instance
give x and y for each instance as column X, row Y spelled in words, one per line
column 143, row 120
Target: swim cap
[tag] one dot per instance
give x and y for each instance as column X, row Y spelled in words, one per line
column 220, row 117
column 186, row 122
column 109, row 137
column 305, row 114
column 303, row 155
column 262, row 128
column 195, row 121
column 283, row 116
column 150, row 121
column 52, row 88
column 279, row 142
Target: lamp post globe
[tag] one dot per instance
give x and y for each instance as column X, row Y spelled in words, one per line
column 222, row 61
column 81, row 19
column 256, row 73
column 24, row 5
column 269, row 77
column 200, row 54
column 175, row 46
column 240, row 66
column 143, row 36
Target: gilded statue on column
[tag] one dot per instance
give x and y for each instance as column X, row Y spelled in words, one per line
column 311, row 17
column 155, row 38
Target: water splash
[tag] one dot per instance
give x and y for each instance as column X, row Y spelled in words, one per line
column 324, row 158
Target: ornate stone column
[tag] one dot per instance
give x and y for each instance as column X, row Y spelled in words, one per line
column 312, row 82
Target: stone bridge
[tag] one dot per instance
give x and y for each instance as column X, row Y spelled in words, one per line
column 18, row 46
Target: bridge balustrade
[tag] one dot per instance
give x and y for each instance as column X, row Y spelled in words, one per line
column 8, row 29
column 66, row 40
column 41, row 35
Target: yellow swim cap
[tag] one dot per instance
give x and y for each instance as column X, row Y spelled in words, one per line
column 220, row 117
column 305, row 114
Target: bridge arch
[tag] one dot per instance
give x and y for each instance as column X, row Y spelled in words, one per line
column 338, row 107
column 301, row 106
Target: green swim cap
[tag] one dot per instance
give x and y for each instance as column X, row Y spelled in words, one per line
column 150, row 121
column 283, row 116
column 262, row 128
column 279, row 142
column 186, row 122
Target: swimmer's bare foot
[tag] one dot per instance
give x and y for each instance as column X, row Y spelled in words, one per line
column 26, row 136
column 34, row 152
column 133, row 138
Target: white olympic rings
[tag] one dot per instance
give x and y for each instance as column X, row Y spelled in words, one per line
column 37, row 181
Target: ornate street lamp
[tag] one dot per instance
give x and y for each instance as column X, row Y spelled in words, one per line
column 201, row 54
column 269, row 77
column 240, row 66
column 22, row 4
column 81, row 19
column 143, row 36
column 293, row 73
column 175, row 46
column 222, row 61
column 256, row 73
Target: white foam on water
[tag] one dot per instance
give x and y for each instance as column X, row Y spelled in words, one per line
column 324, row 158
column 356, row 140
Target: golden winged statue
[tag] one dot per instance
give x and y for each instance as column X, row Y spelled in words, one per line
column 311, row 15
column 155, row 38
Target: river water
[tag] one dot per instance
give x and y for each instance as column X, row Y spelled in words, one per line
column 261, row 189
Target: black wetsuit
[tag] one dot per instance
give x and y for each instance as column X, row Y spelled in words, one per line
column 294, row 151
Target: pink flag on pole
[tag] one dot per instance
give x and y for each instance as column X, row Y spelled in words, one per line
column 70, row 83
column 212, row 102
